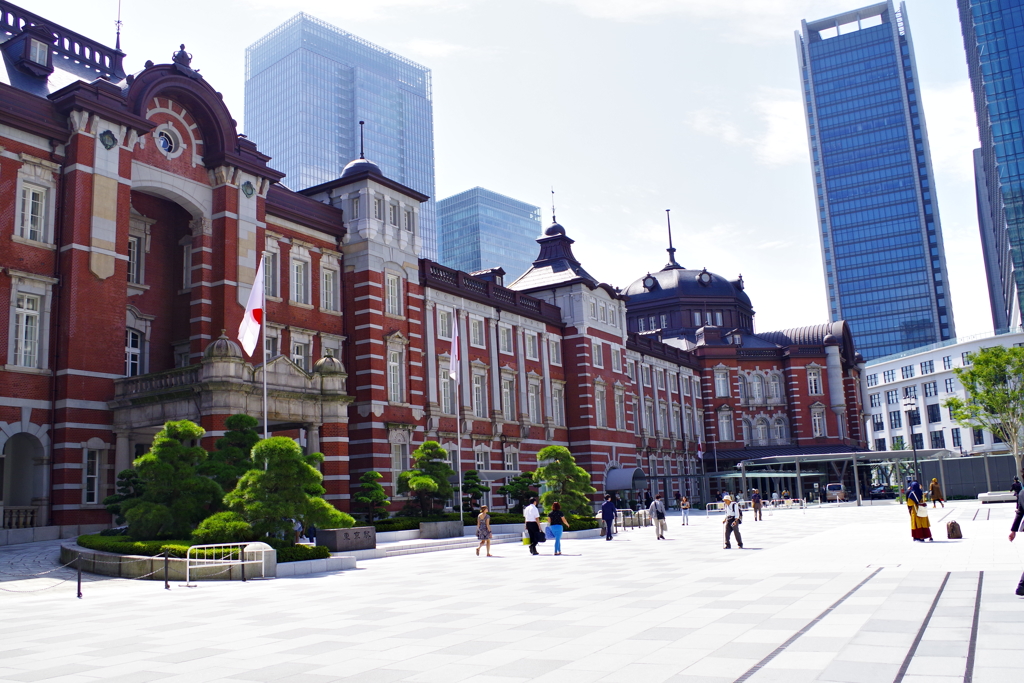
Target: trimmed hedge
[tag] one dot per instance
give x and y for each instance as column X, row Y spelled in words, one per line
column 406, row 523
column 583, row 523
column 297, row 553
column 125, row 546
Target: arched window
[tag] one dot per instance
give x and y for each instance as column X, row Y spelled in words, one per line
column 743, row 389
column 776, row 387
column 747, row 436
column 779, row 431
column 761, row 432
column 757, row 389
column 132, row 353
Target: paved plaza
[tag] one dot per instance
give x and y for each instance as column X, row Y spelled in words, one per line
column 830, row 594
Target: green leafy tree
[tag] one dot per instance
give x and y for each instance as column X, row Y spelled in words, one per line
column 567, row 482
column 428, row 480
column 224, row 527
column 993, row 382
column 520, row 489
column 175, row 497
column 128, row 486
column 284, row 486
column 472, row 490
column 372, row 496
column 233, row 456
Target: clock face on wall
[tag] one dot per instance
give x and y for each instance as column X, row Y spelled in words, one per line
column 650, row 282
column 704, row 278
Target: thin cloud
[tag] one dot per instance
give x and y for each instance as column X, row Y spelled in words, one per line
column 780, row 139
column 952, row 129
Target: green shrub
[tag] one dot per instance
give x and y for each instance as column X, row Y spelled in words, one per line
column 504, row 518
column 126, row 546
column 297, row 553
column 406, row 523
column 223, row 527
column 580, row 523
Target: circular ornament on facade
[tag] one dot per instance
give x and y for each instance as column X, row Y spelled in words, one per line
column 650, row 282
column 248, row 189
column 166, row 142
column 107, row 139
column 704, row 277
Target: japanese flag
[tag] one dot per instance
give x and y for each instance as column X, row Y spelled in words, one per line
column 249, row 330
column 700, row 449
column 453, row 366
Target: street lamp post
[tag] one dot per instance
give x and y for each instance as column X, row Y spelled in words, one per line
column 910, row 407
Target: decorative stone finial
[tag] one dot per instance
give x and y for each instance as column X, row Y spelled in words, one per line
column 182, row 57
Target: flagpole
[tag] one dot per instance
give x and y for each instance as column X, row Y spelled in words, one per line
column 263, row 331
column 458, row 413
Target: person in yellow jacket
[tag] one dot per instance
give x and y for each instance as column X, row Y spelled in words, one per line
column 935, row 493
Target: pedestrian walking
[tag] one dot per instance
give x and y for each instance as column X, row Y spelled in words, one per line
column 755, row 499
column 647, row 498
column 775, row 498
column 657, row 510
column 684, row 507
column 935, row 492
column 558, row 523
column 608, row 513
column 919, row 527
column 1014, row 528
column 1015, row 486
column 733, row 518
column 483, row 530
column 532, row 516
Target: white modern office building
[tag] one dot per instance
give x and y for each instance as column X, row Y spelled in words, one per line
column 926, row 376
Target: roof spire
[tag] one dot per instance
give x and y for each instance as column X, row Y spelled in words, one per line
column 361, row 139
column 671, row 265
column 553, row 220
column 118, row 23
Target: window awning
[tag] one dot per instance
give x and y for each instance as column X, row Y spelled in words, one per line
column 625, row 479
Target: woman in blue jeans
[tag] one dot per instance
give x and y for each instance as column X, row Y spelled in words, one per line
column 684, row 506
column 558, row 524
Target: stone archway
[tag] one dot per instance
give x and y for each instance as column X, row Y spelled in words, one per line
column 22, row 478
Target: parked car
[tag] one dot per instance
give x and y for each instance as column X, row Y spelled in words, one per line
column 835, row 492
column 881, row 493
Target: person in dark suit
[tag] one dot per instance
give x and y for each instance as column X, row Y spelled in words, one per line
column 608, row 515
column 1014, row 528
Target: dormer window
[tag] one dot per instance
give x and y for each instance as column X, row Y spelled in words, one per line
column 166, row 142
column 38, row 51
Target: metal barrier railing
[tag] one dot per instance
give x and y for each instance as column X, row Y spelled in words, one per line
column 224, row 555
column 781, row 504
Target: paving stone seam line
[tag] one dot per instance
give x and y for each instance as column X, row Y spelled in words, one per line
column 792, row 639
column 920, row 633
column 973, row 646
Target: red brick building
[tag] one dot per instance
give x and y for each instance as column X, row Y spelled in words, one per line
column 132, row 220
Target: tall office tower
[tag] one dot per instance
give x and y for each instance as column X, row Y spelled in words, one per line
column 482, row 229
column 881, row 241
column 993, row 37
column 308, row 84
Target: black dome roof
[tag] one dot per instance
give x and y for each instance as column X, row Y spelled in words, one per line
column 360, row 166
column 673, row 283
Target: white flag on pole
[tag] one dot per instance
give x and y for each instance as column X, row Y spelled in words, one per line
column 453, row 366
column 249, row 330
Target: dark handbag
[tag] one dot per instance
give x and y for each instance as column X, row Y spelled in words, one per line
column 660, row 514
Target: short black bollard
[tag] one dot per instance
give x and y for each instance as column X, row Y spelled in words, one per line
column 167, row 563
column 241, row 555
column 78, row 564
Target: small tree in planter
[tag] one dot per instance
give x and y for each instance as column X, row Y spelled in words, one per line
column 520, row 489
column 128, row 486
column 428, row 480
column 284, row 486
column 567, row 482
column 233, row 456
column 371, row 495
column 472, row 490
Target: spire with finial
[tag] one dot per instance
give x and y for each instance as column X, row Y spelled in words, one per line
column 118, row 24
column 671, row 265
column 361, row 139
column 553, row 219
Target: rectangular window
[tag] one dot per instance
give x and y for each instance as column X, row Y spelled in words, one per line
column 620, row 410
column 92, row 477
column 879, row 444
column 631, row 370
column 910, row 392
column 447, row 392
column 480, row 396
column 721, row 383
column 937, row 439
column 897, row 443
column 33, row 213
column 613, row 317
column 955, row 433
column 556, row 351
column 300, row 281
column 814, row 381
column 636, row 417
column 272, row 343
column 878, row 422
column 26, row 331
column 718, row 318
column 600, row 407
column 918, row 440
column 818, row 422
column 927, row 367
column 378, row 208
column 511, row 459
column 597, row 353
column 965, row 359
column 300, row 355
column 133, row 353
column 934, row 413
column 395, row 389
column 444, row 324
column 654, row 322
column 979, row 436
column 593, row 309
column 947, row 362
column 134, row 254
column 329, row 289
column 659, row 376
column 640, row 324
column 876, row 400
column 186, row 266
column 531, row 346
column 664, row 321
column 476, row 332
column 662, row 419
column 895, row 419
column 410, row 222
column 508, row 399
column 354, row 207
column 392, row 294
column 907, row 371
column 889, row 376
column 645, row 372
column 931, row 388
column 696, row 318
column 558, row 405
column 913, row 417
column 873, row 380
column 269, row 272
column 616, row 360
column 399, row 458
column 393, row 214
column 38, row 52
column 950, row 385
column 604, row 313
column 505, row 339
column 533, row 396
column 725, row 426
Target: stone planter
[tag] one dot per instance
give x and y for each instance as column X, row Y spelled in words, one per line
column 452, row 529
column 342, row 540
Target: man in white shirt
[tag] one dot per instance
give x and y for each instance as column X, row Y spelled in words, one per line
column 657, row 511
column 532, row 516
column 733, row 515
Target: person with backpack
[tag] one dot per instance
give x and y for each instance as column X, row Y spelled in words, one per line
column 732, row 521
column 657, row 510
column 755, row 499
column 1014, row 528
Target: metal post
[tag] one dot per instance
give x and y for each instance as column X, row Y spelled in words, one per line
column 167, row 563
column 799, row 481
column 78, row 565
column 743, row 477
column 856, row 480
column 988, row 473
column 942, row 473
column 241, row 556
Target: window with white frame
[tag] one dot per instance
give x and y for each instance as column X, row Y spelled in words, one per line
column 480, row 458
column 950, row 384
column 134, row 259
column 631, row 370
column 593, row 309
column 38, row 51
column 480, row 396
column 353, row 206
column 329, row 289
column 664, row 321
column 399, row 459
column 504, row 339
column 508, row 399
column 741, row 388
column 533, row 402
column 653, row 321
column 604, row 313
column 660, row 378
column 555, row 345
column 393, row 214
column 597, row 353
column 378, row 208
column 616, row 360
column 601, row 406
column 696, row 318
column 301, row 353
column 662, row 418
column 132, row 353
column 511, row 458
column 444, row 323
column 636, row 416
column 818, row 421
column 775, row 387
column 270, row 273
column 725, row 428
column 640, row 325
column 645, row 373
column 558, row 405
column 396, row 385
column 814, row 381
column 721, row 383
column 447, row 391
column 91, row 477
column 686, row 382
column 32, row 224
column 757, row 389
column 476, row 332
column 300, row 281
column 620, row 409
column 392, row 294
column 27, row 330
column 410, row 221
column 613, row 317
column 531, row 346
column 649, row 425
column 675, row 423
column 186, row 266
column 273, row 342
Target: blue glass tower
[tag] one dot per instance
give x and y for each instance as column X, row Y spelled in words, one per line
column 308, row 84
column 994, row 39
column 881, row 240
column 482, row 229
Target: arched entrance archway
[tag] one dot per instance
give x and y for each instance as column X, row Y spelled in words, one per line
column 22, row 480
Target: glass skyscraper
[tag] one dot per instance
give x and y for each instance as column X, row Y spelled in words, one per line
column 481, row 229
column 881, row 240
column 994, row 39
column 308, row 84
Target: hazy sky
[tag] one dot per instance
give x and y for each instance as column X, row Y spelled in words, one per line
column 627, row 108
